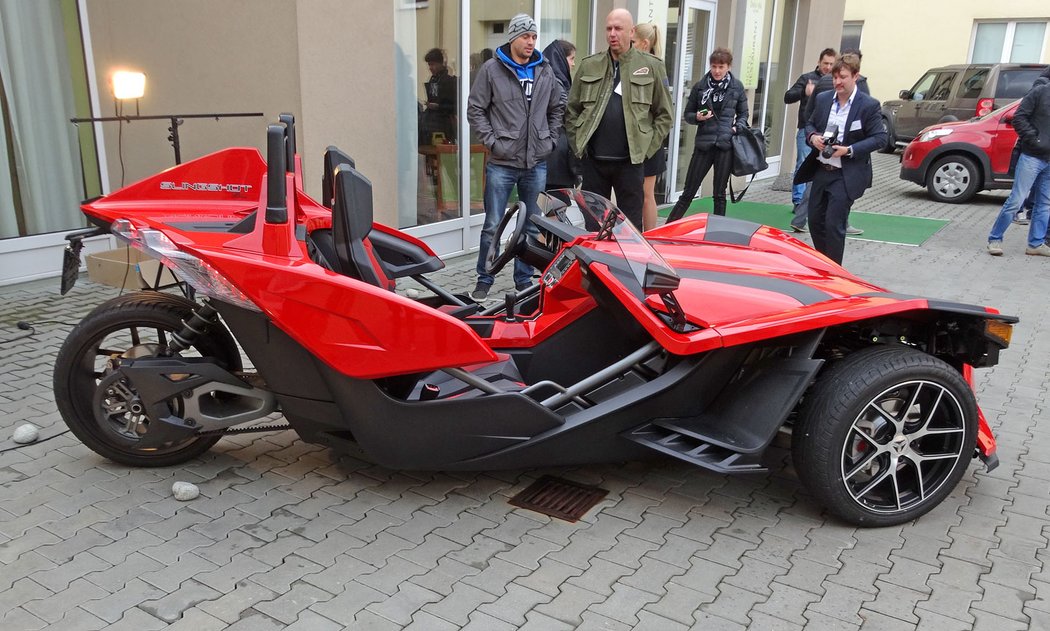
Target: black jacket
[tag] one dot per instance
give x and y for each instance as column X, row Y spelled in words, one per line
column 1032, row 122
column 717, row 131
column 797, row 93
column 562, row 167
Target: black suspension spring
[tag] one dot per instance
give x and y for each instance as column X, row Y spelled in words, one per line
column 192, row 329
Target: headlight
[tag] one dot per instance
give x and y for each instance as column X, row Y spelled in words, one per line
column 204, row 278
column 940, row 132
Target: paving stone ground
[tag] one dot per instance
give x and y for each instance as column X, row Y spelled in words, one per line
column 292, row 535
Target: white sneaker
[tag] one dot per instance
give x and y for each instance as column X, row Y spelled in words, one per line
column 995, row 248
column 853, row 231
column 1041, row 250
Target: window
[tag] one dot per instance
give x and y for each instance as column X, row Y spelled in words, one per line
column 1014, row 84
column 433, row 135
column 942, row 87
column 973, row 82
column 921, row 88
column 46, row 165
column 851, row 35
column 1016, row 42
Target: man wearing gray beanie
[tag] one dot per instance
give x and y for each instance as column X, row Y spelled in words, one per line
column 515, row 109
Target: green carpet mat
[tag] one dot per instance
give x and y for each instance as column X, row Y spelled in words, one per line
column 899, row 229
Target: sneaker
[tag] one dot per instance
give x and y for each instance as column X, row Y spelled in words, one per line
column 995, row 248
column 481, row 291
column 802, row 228
column 853, row 231
column 1021, row 220
column 520, row 287
column 1041, row 250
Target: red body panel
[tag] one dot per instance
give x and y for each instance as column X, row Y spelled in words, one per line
column 990, row 136
column 735, row 294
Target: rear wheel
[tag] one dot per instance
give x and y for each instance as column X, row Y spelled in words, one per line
column 891, row 137
column 885, row 435
column 953, row 179
column 131, row 326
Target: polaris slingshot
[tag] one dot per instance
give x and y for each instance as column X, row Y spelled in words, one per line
column 701, row 340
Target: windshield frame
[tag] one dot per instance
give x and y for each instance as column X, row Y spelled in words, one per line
column 650, row 272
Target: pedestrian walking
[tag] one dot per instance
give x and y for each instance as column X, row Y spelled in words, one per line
column 1032, row 174
column 717, row 106
column 844, row 129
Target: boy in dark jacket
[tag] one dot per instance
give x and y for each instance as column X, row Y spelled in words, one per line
column 717, row 106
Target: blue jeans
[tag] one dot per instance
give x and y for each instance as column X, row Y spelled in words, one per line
column 801, row 151
column 499, row 181
column 1032, row 175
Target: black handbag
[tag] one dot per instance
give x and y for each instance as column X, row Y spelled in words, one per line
column 749, row 157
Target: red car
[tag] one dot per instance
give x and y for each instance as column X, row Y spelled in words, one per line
column 954, row 161
column 702, row 340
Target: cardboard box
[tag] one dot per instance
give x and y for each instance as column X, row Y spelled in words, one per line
column 126, row 268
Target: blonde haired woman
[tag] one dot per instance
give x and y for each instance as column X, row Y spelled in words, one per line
column 647, row 40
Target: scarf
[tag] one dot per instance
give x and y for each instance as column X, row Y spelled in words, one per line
column 713, row 93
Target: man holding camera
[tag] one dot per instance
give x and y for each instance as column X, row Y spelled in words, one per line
column 844, row 129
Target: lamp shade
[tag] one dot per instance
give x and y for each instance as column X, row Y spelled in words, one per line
column 128, row 84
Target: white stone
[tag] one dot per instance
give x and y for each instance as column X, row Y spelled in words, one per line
column 25, row 434
column 184, row 491
column 412, row 293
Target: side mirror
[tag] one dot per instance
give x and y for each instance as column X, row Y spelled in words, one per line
column 659, row 280
column 905, row 94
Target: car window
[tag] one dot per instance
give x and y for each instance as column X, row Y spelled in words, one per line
column 942, row 86
column 973, row 82
column 1014, row 84
column 918, row 92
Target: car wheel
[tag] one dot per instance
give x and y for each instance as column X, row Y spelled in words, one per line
column 132, row 325
column 953, row 179
column 891, row 137
column 884, row 435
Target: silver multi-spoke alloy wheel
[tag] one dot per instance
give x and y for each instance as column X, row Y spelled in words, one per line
column 903, row 446
column 884, row 435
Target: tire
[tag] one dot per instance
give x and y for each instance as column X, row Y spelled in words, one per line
column 891, row 137
column 855, row 445
column 132, row 325
column 953, row 179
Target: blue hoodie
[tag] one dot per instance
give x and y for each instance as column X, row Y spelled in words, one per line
column 526, row 74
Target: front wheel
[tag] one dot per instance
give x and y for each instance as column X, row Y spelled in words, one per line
column 953, row 179
column 130, row 326
column 885, row 435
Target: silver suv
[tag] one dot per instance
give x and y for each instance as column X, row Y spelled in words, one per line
column 952, row 93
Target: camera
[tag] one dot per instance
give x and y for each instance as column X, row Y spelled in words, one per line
column 829, row 136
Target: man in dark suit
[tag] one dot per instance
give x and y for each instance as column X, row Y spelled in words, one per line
column 842, row 177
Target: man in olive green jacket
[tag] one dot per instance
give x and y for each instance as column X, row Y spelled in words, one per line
column 618, row 114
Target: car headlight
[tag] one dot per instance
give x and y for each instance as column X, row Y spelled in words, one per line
column 940, row 132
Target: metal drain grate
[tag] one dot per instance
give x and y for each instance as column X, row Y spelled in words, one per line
column 559, row 498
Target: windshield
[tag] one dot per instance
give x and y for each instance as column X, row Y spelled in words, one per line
column 595, row 213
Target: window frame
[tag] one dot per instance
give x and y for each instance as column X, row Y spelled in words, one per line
column 1008, row 39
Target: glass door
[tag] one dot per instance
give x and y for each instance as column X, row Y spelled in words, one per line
column 691, row 30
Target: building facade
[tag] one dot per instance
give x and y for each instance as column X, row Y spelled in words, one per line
column 353, row 72
column 902, row 39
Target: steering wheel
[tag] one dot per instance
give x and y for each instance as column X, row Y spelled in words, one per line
column 496, row 260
